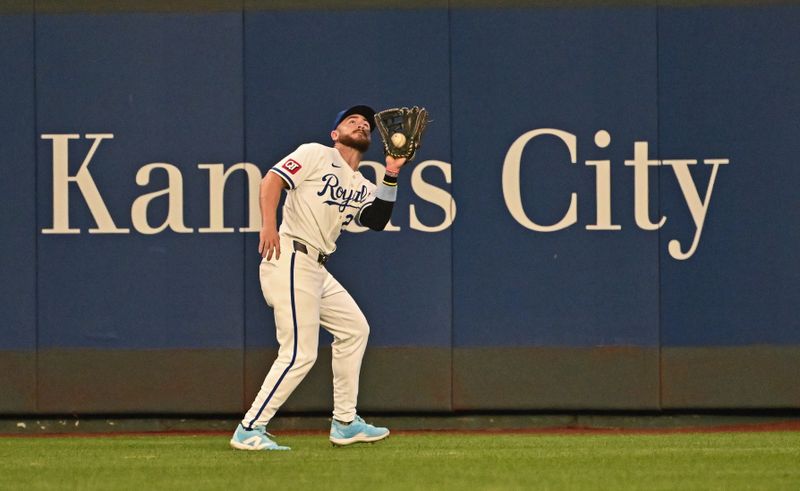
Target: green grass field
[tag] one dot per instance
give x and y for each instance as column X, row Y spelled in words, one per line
column 768, row 460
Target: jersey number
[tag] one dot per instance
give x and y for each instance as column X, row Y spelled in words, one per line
column 347, row 219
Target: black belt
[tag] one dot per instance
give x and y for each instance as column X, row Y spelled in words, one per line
column 300, row 247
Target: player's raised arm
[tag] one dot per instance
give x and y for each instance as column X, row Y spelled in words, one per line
column 376, row 215
column 269, row 197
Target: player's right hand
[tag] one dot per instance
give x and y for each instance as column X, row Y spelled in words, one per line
column 269, row 242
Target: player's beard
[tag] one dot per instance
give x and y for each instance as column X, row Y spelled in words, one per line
column 360, row 144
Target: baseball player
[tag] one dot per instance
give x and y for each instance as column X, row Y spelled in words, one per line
column 324, row 193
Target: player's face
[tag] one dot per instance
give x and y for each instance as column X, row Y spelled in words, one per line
column 354, row 132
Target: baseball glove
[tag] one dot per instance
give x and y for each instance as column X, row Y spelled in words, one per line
column 401, row 130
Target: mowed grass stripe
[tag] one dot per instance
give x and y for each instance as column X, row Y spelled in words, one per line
column 420, row 461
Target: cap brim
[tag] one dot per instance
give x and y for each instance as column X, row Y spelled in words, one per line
column 366, row 111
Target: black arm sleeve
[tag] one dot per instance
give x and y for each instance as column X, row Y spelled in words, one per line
column 376, row 215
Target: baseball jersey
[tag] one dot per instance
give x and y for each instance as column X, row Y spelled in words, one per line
column 324, row 195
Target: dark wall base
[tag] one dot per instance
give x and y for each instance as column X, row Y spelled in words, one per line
column 731, row 377
column 122, row 381
column 18, row 386
column 555, row 378
column 82, row 381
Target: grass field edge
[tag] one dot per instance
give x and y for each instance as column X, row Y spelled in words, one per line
column 790, row 426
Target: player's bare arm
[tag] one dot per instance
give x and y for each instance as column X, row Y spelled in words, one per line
column 269, row 197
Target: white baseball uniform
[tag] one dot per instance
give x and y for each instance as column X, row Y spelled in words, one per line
column 324, row 195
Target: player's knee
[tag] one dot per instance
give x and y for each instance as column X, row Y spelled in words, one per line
column 362, row 330
column 304, row 361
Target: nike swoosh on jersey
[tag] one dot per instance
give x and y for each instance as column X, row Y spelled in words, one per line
column 334, row 164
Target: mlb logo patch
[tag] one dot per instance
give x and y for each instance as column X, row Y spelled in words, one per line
column 292, row 166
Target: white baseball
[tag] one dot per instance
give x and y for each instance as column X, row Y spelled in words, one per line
column 398, row 139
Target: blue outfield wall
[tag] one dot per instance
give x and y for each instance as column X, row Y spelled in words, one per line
column 603, row 214
column 727, row 90
column 18, row 218
column 578, row 72
column 18, row 247
column 148, row 81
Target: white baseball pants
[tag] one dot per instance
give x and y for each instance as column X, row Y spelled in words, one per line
column 305, row 296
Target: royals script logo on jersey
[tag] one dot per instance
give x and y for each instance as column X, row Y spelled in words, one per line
column 341, row 197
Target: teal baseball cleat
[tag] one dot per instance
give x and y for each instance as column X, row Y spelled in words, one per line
column 357, row 431
column 255, row 439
